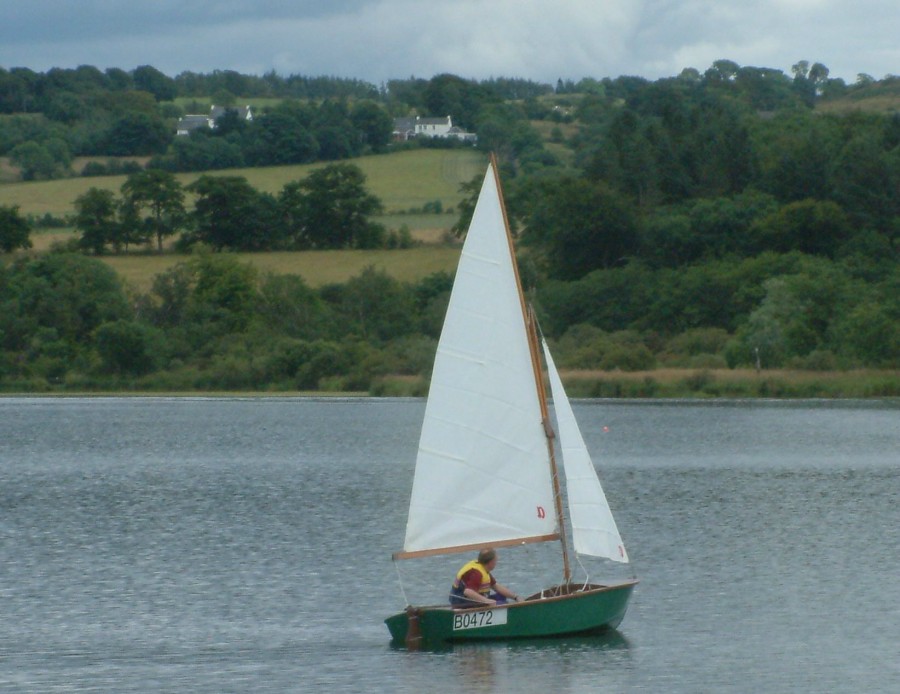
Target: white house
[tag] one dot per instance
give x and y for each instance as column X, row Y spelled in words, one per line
column 187, row 124
column 416, row 126
column 244, row 113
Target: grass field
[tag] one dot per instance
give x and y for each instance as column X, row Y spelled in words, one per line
column 316, row 267
column 403, row 181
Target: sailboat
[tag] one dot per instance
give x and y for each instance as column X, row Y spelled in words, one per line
column 486, row 473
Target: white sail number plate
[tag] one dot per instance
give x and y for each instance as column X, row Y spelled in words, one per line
column 477, row 620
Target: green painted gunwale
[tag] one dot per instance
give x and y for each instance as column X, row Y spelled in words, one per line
column 589, row 609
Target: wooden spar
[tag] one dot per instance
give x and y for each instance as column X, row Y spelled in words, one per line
column 531, row 330
column 419, row 553
column 551, row 435
column 414, row 630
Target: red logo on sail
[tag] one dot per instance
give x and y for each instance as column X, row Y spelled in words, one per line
column 541, row 512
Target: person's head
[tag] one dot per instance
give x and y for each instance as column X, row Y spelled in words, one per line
column 487, row 558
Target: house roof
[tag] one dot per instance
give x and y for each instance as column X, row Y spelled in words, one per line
column 244, row 112
column 434, row 121
column 192, row 122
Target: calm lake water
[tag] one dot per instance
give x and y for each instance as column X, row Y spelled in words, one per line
column 238, row 545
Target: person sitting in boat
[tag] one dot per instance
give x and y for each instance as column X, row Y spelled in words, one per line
column 474, row 584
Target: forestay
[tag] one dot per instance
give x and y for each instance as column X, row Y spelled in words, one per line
column 482, row 472
column 594, row 530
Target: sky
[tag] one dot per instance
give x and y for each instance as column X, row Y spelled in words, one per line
column 380, row 40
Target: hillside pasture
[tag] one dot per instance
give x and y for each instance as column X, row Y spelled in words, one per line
column 402, row 180
column 317, row 268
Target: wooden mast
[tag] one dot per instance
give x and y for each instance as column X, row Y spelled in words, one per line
column 531, row 330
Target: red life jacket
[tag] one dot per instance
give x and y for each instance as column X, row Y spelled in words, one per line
column 485, row 587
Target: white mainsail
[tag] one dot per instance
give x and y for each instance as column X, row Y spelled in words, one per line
column 594, row 530
column 482, row 472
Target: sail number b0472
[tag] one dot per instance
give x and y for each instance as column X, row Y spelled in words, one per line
column 476, row 620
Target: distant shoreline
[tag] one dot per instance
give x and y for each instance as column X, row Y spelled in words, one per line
column 662, row 383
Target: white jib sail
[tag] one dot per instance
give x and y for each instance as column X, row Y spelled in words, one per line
column 482, row 471
column 594, row 530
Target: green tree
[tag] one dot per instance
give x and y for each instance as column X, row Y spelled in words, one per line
column 374, row 306
column 200, row 153
column 613, row 299
column 336, row 142
column 127, row 347
column 869, row 334
column 794, row 317
column 131, row 229
column 224, row 292
column 34, row 159
column 306, row 362
column 793, row 151
column 286, row 305
column 449, row 95
column 580, row 226
column 230, row 214
column 864, row 179
column 95, row 218
column 282, row 136
column 137, row 134
column 147, row 78
column 14, row 229
column 67, row 294
column 809, row 226
column 466, row 208
column 626, row 159
column 373, row 123
column 330, row 209
column 162, row 195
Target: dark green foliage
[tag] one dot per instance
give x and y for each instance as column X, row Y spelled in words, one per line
column 700, row 221
column 127, row 347
column 137, row 134
column 330, row 208
column 282, row 136
column 454, row 96
column 230, row 214
column 223, row 292
column 34, row 160
column 148, row 79
column 305, row 363
column 162, row 196
column 95, row 218
column 579, row 226
column 373, row 123
column 286, row 305
column 374, row 306
column 50, row 307
column 200, row 153
column 808, row 226
column 15, row 231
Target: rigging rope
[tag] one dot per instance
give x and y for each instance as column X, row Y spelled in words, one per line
column 400, row 581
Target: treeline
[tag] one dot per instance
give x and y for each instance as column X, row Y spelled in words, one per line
column 710, row 219
column 210, row 323
column 329, row 209
column 214, row 323
column 46, row 119
column 692, row 210
column 292, row 132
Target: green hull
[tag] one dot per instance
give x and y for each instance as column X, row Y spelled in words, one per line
column 567, row 611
